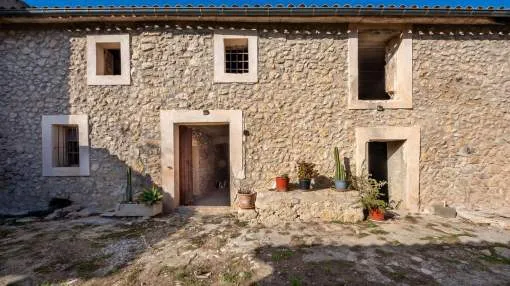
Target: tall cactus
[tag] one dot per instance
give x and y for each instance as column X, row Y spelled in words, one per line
column 339, row 167
column 129, row 186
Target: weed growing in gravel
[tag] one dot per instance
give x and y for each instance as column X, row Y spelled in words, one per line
column 281, row 254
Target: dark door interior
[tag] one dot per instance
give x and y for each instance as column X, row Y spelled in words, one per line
column 185, row 167
column 378, row 164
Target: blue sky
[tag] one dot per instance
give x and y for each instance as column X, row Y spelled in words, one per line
column 485, row 3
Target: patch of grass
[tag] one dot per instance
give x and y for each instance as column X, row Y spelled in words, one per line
column 369, row 224
column 44, row 269
column 495, row 258
column 282, row 254
column 126, row 234
column 378, row 231
column 240, row 223
column 86, row 268
column 295, row 281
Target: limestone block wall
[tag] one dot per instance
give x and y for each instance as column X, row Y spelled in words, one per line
column 297, row 109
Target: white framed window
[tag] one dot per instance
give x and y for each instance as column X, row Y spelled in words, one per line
column 235, row 56
column 65, row 145
column 108, row 60
column 380, row 66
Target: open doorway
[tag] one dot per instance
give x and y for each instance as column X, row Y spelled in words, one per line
column 386, row 162
column 204, row 165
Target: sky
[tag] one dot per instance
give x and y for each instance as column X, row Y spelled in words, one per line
column 474, row 3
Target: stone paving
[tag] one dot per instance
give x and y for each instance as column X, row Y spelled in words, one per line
column 195, row 248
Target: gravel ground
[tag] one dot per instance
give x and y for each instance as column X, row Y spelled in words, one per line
column 217, row 249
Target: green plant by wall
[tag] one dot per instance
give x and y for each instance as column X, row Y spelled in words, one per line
column 151, row 196
column 340, row 174
column 370, row 191
column 306, row 171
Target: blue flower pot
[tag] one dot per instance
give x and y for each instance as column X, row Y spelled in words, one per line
column 340, row 185
column 304, row 184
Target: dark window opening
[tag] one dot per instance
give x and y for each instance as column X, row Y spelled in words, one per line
column 108, row 59
column 112, row 62
column 236, row 56
column 66, row 146
column 373, row 57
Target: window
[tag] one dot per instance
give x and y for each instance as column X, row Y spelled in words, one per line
column 65, row 149
column 108, row 60
column 380, row 67
column 235, row 56
column 66, row 152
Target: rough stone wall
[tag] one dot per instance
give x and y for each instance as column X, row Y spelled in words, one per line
column 297, row 110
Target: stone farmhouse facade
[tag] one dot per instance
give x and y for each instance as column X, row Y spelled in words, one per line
column 87, row 93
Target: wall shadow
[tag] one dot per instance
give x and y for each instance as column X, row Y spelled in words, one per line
column 388, row 264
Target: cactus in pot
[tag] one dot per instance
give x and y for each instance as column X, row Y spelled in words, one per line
column 340, row 174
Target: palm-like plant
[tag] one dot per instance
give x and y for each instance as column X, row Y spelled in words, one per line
column 151, row 196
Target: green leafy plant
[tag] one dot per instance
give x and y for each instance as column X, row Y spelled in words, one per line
column 370, row 191
column 284, row 176
column 306, row 171
column 151, row 196
column 340, row 174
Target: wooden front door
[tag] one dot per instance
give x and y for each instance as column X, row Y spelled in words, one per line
column 185, row 167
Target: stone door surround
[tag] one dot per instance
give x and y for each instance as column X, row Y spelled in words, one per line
column 411, row 136
column 170, row 121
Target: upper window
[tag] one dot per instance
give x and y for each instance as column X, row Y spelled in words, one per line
column 108, row 60
column 235, row 56
column 380, row 67
column 65, row 149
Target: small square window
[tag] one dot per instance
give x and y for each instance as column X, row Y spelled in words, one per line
column 235, row 56
column 108, row 60
column 65, row 146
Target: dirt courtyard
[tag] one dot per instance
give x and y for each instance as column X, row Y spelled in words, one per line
column 190, row 248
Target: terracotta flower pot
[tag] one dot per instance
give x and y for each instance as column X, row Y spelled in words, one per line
column 376, row 214
column 282, row 184
column 246, row 201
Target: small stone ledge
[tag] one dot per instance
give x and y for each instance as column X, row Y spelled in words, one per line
column 323, row 205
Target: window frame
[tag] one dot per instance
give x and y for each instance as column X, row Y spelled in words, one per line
column 220, row 76
column 125, row 60
column 403, row 76
column 47, row 124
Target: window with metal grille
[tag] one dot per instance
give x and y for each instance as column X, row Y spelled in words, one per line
column 66, row 147
column 236, row 56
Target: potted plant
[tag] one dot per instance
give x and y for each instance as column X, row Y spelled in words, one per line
column 246, row 198
column 282, row 183
column 306, row 172
column 369, row 189
column 148, row 204
column 340, row 174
